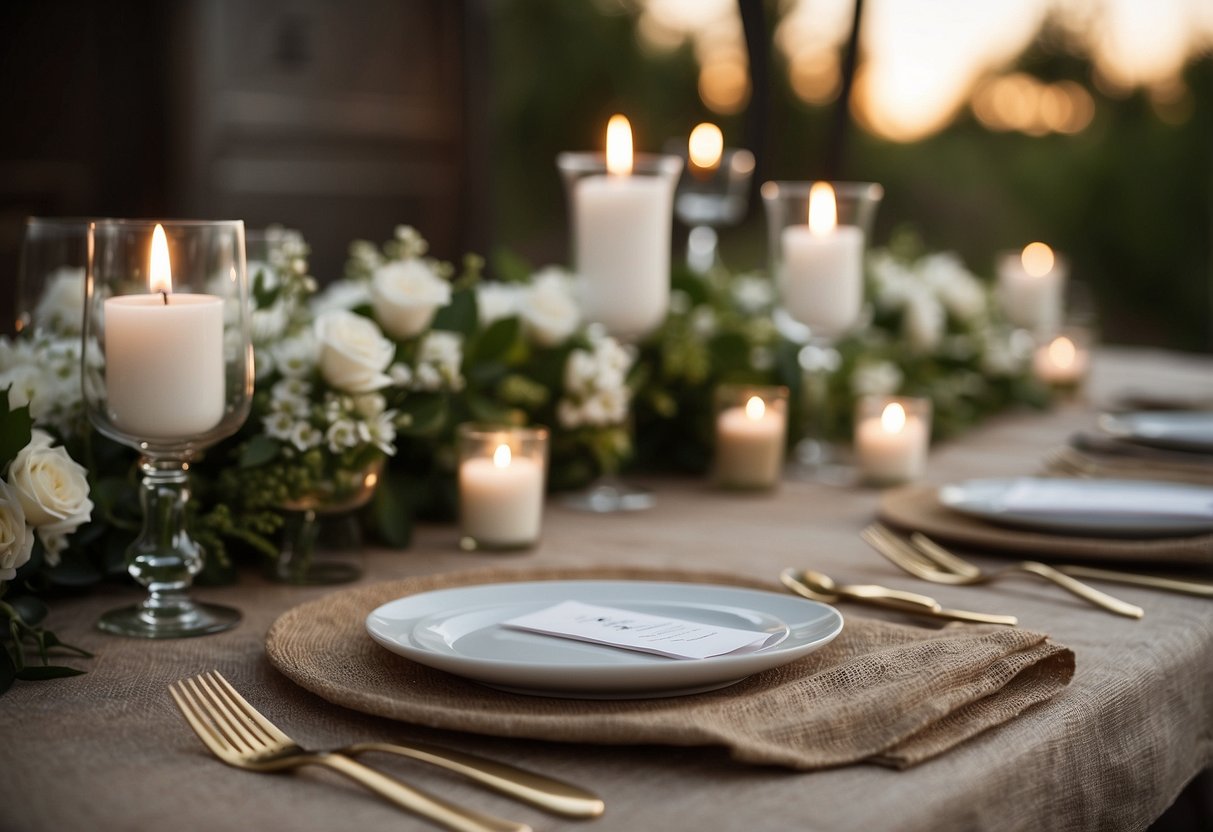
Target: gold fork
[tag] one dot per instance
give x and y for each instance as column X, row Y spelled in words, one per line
column 930, row 562
column 239, row 736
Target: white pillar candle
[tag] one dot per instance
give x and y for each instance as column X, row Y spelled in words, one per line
column 622, row 241
column 892, row 446
column 501, row 499
column 164, row 364
column 749, row 445
column 1031, row 287
column 1061, row 362
column 821, row 279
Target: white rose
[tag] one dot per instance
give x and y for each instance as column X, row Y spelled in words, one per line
column 16, row 540
column 353, row 352
column 53, row 490
column 550, row 313
column 924, row 321
column 495, row 301
column 405, row 294
column 61, row 308
column 341, row 294
column 295, row 357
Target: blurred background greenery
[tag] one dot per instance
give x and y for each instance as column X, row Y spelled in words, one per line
column 1083, row 123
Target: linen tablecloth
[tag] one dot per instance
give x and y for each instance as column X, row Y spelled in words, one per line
column 108, row 750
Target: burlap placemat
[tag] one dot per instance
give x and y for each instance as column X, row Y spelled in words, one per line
column 881, row 692
column 917, row 508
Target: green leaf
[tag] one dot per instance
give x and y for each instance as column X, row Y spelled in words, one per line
column 496, row 341
column 459, row 315
column 511, row 267
column 426, row 414
column 16, row 428
column 263, row 295
column 258, row 451
column 40, row 673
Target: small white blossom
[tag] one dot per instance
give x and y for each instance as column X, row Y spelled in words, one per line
column 296, row 357
column 305, row 436
column 881, row 378
column 381, row 431
column 923, row 322
column 370, row 405
column 753, row 294
column 343, row 434
column 401, row 374
column 279, row 426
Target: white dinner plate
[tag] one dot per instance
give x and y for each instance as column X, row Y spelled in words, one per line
column 459, row 631
column 1174, row 429
column 1114, row 508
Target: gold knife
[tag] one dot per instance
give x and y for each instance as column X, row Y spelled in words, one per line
column 1200, row 589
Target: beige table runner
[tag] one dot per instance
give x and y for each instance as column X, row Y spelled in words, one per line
column 881, row 692
column 917, row 508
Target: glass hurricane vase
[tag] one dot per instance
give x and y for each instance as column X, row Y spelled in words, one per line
column 166, row 316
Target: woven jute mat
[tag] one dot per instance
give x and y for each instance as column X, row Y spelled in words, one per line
column 917, row 508
column 881, row 692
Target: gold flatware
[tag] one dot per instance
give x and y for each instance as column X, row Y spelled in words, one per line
column 240, row 736
column 1200, row 589
column 927, row 560
column 817, row 586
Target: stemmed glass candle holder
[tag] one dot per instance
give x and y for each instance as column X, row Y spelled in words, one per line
column 50, row 280
column 818, row 234
column 166, row 308
column 502, row 471
column 621, row 213
column 713, row 192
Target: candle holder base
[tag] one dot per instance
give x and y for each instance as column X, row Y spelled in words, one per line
column 820, row 461
column 610, row 495
column 176, row 620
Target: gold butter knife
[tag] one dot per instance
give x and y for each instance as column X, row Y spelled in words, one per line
column 1197, row 588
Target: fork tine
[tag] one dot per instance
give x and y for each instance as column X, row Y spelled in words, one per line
column 226, row 722
column 238, row 714
column 252, row 713
column 942, row 556
column 213, row 740
column 879, row 539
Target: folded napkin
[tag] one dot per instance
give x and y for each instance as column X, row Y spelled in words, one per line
column 881, row 692
column 917, row 508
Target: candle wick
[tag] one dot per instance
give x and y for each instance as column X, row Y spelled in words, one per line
column 164, row 295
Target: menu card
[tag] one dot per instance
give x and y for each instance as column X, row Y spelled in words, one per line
column 669, row 637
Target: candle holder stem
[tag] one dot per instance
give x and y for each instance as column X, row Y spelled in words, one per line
column 165, row 559
column 814, row 456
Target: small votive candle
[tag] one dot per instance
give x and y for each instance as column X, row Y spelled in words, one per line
column 1063, row 360
column 1031, row 287
column 892, row 435
column 751, row 430
column 501, row 485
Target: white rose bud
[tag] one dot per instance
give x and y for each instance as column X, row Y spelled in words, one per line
column 52, row 489
column 405, row 295
column 353, row 352
column 16, row 540
column 549, row 310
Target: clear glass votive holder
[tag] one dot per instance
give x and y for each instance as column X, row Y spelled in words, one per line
column 502, row 473
column 751, row 434
column 892, row 435
column 1062, row 361
column 1032, row 287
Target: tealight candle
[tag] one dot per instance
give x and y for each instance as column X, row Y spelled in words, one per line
column 751, row 429
column 621, row 236
column 891, row 438
column 1063, row 360
column 501, row 484
column 821, row 274
column 1031, row 287
column 164, row 368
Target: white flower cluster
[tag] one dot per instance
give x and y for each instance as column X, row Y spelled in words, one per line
column 44, row 373
column 341, row 422
column 595, row 384
column 547, row 305
column 439, row 364
column 926, row 293
column 60, row 309
column 281, row 286
column 45, row 492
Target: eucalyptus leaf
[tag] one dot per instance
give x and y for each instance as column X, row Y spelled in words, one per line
column 258, row 451
column 496, row 341
column 16, row 429
column 459, row 315
column 393, row 510
column 40, row 673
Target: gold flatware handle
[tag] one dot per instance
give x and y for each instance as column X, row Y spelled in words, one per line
column 536, row 789
column 1081, row 590
column 874, row 592
column 1197, row 588
column 430, row 807
column 791, row 580
column 976, row 617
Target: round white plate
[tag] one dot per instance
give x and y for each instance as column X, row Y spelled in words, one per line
column 1110, row 508
column 459, row 631
column 1177, row 430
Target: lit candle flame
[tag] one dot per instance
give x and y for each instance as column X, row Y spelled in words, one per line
column 1037, row 259
column 501, row 456
column 619, row 146
column 1062, row 352
column 893, row 418
column 160, row 272
column 706, row 146
column 755, row 408
column 823, row 208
